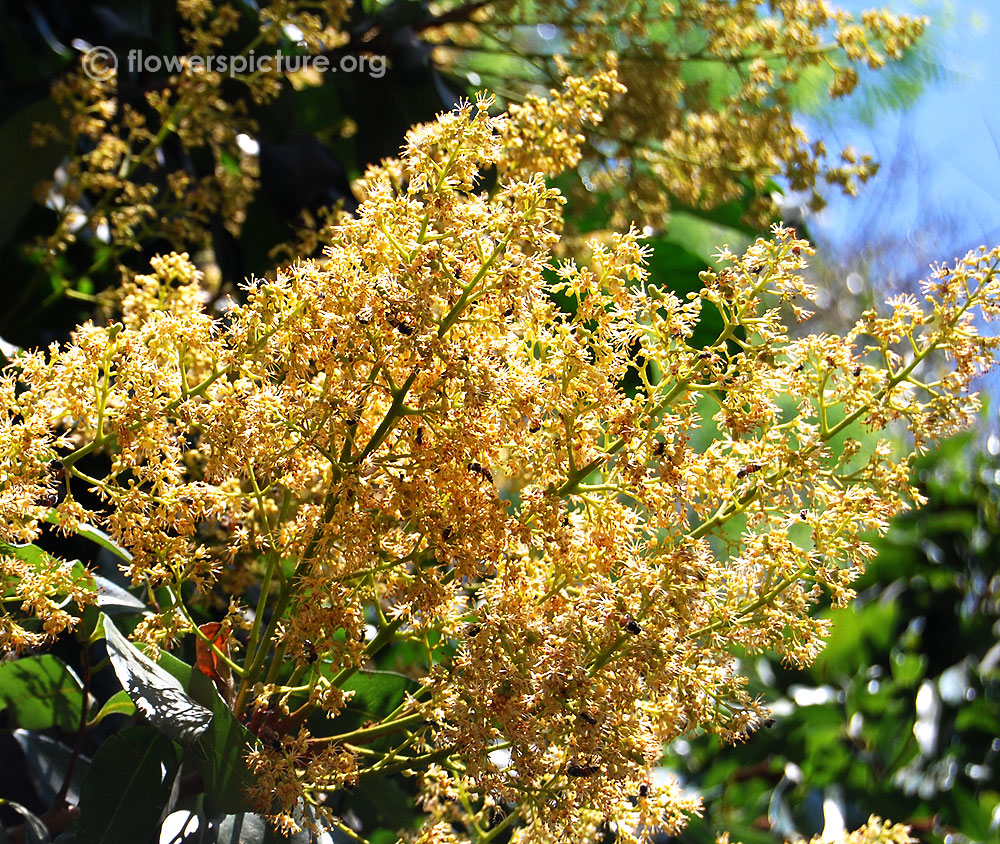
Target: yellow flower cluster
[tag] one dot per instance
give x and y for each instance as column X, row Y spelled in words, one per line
column 576, row 514
column 119, row 186
column 876, row 831
column 707, row 116
column 706, row 119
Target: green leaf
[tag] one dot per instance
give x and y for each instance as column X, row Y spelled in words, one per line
column 115, row 600
column 242, row 828
column 219, row 754
column 377, row 693
column 118, row 704
column 856, row 631
column 41, row 692
column 126, row 789
column 729, row 214
column 975, row 817
column 156, row 693
column 41, row 561
column 248, row 828
column 35, row 832
column 381, row 802
column 979, row 714
column 48, row 760
column 907, row 669
column 95, row 535
column 704, row 237
column 25, row 165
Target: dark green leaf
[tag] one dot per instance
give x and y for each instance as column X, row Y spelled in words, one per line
column 41, row 692
column 377, row 692
column 156, row 693
column 25, row 165
column 126, row 789
column 219, row 754
column 35, row 831
column 95, row 535
column 48, row 760
column 975, row 816
column 385, row 802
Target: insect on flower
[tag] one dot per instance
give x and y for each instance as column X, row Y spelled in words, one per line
column 631, row 625
column 481, row 470
column 574, row 769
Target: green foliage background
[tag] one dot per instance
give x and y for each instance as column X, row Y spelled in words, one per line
column 916, row 654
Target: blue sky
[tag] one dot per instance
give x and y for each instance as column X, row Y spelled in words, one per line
column 939, row 188
column 937, row 194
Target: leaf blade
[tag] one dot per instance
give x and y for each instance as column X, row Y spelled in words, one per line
column 126, row 788
column 156, row 693
column 219, row 755
column 48, row 761
column 40, row 692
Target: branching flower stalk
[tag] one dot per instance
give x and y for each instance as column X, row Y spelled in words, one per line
column 578, row 514
column 707, row 119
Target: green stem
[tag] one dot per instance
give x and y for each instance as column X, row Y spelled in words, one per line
column 364, row 735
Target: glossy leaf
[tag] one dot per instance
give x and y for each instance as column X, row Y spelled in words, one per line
column 95, row 535
column 41, row 561
column 115, row 600
column 118, row 704
column 156, row 693
column 48, row 760
column 219, row 754
column 33, row 163
column 376, row 693
column 126, row 789
column 703, row 237
column 41, row 692
column 35, row 832
column 382, row 802
column 248, row 828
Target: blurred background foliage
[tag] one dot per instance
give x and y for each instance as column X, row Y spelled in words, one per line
column 900, row 716
column 319, row 134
